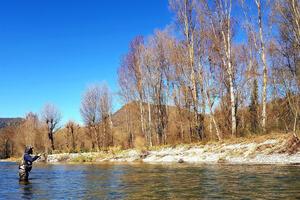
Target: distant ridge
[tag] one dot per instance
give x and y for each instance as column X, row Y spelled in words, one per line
column 4, row 122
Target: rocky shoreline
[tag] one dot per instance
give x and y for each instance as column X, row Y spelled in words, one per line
column 285, row 150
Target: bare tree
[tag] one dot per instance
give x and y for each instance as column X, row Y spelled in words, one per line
column 264, row 62
column 30, row 127
column 186, row 14
column 286, row 57
column 155, row 62
column 105, row 112
column 179, row 93
column 72, row 129
column 90, row 113
column 221, row 25
column 126, row 94
column 51, row 117
column 224, row 13
column 211, row 97
column 133, row 71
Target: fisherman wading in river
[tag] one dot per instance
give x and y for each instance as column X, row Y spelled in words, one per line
column 26, row 163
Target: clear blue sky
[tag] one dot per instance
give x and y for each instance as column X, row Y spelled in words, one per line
column 51, row 50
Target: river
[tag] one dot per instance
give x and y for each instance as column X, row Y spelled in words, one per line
column 146, row 181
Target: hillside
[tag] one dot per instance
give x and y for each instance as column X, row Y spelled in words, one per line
column 127, row 119
column 4, row 122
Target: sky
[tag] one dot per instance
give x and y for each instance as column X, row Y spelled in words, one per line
column 52, row 50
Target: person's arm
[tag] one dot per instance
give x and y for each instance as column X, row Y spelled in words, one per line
column 35, row 158
column 27, row 157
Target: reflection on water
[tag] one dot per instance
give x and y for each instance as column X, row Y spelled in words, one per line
column 141, row 181
column 26, row 190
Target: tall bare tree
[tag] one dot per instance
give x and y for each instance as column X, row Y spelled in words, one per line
column 134, row 64
column 155, row 63
column 186, row 14
column 286, row 56
column 221, row 25
column 90, row 113
column 262, row 52
column 105, row 112
column 126, row 94
column 51, row 117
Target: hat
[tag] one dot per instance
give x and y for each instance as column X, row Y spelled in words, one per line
column 29, row 149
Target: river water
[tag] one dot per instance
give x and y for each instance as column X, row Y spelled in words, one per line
column 146, row 181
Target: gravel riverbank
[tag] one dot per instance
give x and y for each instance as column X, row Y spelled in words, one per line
column 269, row 151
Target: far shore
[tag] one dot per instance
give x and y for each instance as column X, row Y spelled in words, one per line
column 272, row 149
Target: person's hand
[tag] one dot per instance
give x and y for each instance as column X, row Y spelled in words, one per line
column 39, row 155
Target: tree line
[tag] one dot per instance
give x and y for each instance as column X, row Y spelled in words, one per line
column 229, row 68
column 221, row 69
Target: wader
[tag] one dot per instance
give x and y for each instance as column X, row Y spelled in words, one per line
column 24, row 169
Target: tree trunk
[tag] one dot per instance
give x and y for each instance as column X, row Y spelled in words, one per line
column 189, row 37
column 295, row 124
column 51, row 140
column 142, row 117
column 111, row 129
column 212, row 117
column 149, row 122
column 96, row 132
column 128, row 122
column 226, row 35
column 229, row 70
column 296, row 16
column 73, row 141
column 232, row 102
column 263, row 58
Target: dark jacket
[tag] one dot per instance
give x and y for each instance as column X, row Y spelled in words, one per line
column 28, row 159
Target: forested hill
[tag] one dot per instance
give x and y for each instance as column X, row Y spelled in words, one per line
column 4, row 122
